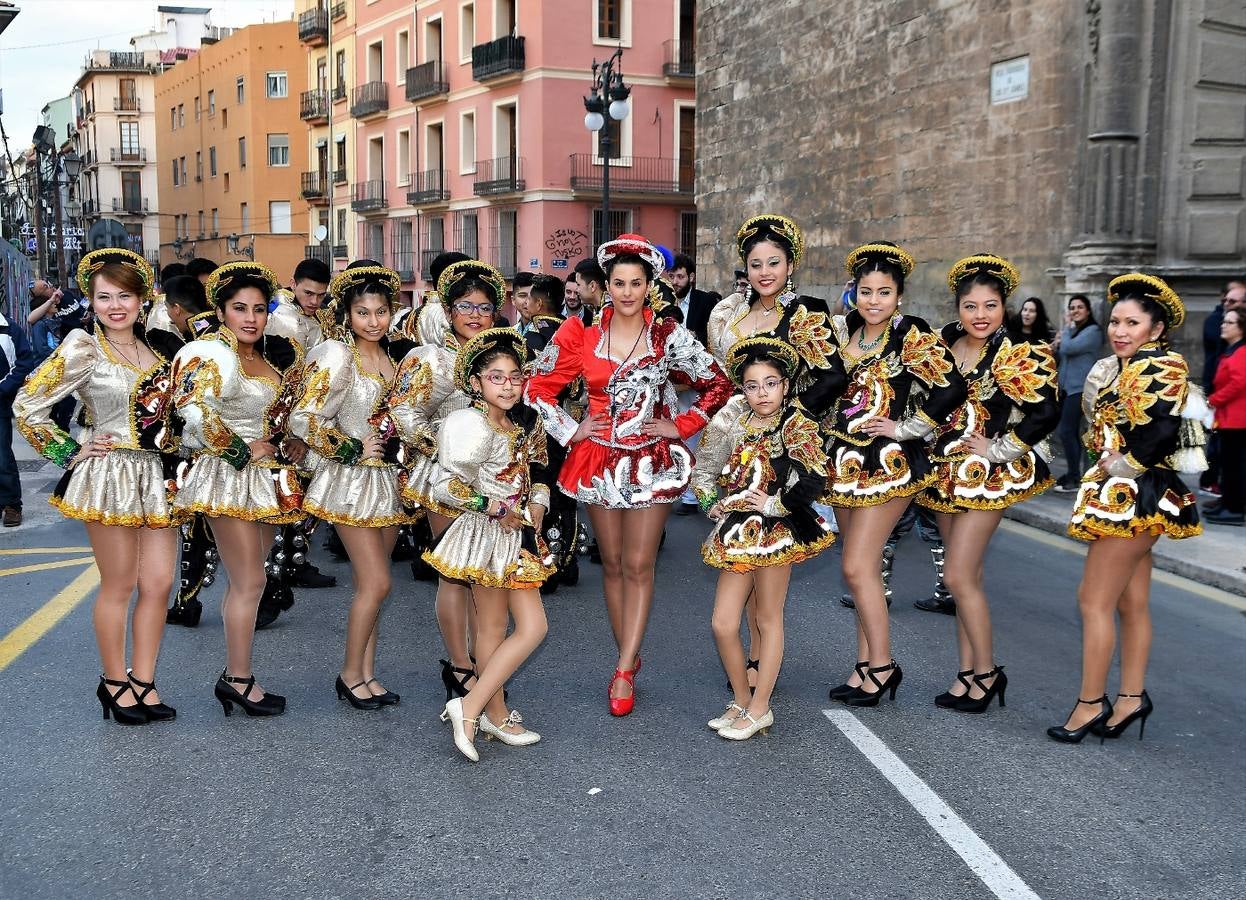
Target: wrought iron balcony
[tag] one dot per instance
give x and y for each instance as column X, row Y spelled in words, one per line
column 369, row 99
column 681, row 59
column 368, row 196
column 314, row 185
column 128, row 155
column 338, row 10
column 428, row 187
column 503, row 175
column 322, row 252
column 426, row 80
column 90, row 207
column 89, row 159
column 314, row 26
column 426, row 261
column 339, row 251
column 404, row 264
column 126, row 104
column 496, row 58
column 339, row 175
column 339, row 92
column 132, row 204
column 314, row 105
column 630, row 174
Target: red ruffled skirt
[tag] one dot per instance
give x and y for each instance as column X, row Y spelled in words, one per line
column 626, row 478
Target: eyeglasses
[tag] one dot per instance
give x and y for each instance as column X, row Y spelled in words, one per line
column 770, row 384
column 464, row 308
column 499, row 379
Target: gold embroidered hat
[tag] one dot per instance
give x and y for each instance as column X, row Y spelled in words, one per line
column 984, row 264
column 97, row 259
column 632, row 244
column 879, row 250
column 745, row 352
column 472, row 268
column 772, row 227
column 1149, row 286
column 507, row 339
column 223, row 276
column 348, row 279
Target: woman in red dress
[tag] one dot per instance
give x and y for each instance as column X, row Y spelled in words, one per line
column 627, row 461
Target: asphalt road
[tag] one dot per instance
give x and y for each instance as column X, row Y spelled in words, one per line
column 331, row 802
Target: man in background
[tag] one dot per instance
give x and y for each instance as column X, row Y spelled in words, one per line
column 16, row 362
column 200, row 267
column 590, row 282
column 695, row 304
column 571, row 303
column 521, row 289
column 294, row 312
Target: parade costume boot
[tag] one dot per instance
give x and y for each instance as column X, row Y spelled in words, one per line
column 333, row 543
column 278, row 569
column 889, row 561
column 941, row 601
column 403, row 549
column 302, row 573
column 421, row 540
column 198, row 570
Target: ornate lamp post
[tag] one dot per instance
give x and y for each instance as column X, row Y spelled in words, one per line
column 608, row 96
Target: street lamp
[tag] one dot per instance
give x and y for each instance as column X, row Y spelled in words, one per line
column 608, row 96
column 232, row 245
column 71, row 165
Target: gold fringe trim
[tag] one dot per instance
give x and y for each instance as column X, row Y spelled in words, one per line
column 715, row 556
column 126, row 520
column 960, row 504
column 853, row 501
column 268, row 516
column 340, row 518
column 485, row 578
column 1157, row 524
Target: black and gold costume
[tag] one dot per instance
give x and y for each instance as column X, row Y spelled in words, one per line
column 1012, row 400
column 1134, row 407
column 910, row 377
column 129, row 485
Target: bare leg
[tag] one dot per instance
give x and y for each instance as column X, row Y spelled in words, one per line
column 1110, row 566
column 498, row 654
column 754, row 636
column 965, row 545
column 369, row 550
column 770, row 592
column 390, row 538
column 157, row 561
column 454, row 608
column 116, row 556
column 1135, row 617
column 734, row 589
column 608, row 529
column 843, row 518
column 862, row 561
column 643, row 530
column 243, row 546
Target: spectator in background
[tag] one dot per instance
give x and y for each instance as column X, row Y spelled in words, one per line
column 200, row 268
column 693, row 303
column 171, row 271
column 45, row 299
column 590, row 279
column 1233, row 296
column 46, row 335
column 1077, row 348
column 1031, row 324
column 521, row 290
column 571, row 297
column 1228, row 399
column 741, row 282
column 16, row 362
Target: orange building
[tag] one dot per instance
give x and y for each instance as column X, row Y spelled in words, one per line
column 230, row 148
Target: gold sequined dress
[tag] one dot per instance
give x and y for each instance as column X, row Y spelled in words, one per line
column 423, row 396
column 1134, row 407
column 785, row 460
column 478, row 463
column 339, row 404
column 127, row 486
column 222, row 409
column 288, row 321
column 1012, row 401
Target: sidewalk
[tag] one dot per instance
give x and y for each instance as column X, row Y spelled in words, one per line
column 1213, row 558
column 39, row 477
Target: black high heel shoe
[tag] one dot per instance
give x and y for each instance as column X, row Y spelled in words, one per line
column 348, row 694
column 268, row 705
column 455, row 679
column 389, row 698
column 981, row 704
column 948, row 700
column 122, row 715
column 1145, row 708
column 864, row 698
column 157, row 712
column 1075, row 735
column 185, row 613
column 841, row 692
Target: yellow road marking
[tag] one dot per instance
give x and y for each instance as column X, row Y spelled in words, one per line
column 21, row 551
column 21, row 638
column 1172, row 580
column 40, row 567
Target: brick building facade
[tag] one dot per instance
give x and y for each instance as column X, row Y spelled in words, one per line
column 1076, row 139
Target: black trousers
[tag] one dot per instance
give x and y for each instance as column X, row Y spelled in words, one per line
column 1232, row 469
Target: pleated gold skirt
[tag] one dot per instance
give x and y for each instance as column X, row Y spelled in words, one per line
column 123, row 487
column 478, row 550
column 261, row 492
column 363, row 496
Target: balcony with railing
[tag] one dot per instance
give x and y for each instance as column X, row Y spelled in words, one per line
column 369, row 99
column 133, row 205
column 339, row 175
column 121, row 60
column 90, row 159
column 503, row 175
column 314, row 26
column 314, row 106
column 404, row 264
column 322, row 252
column 125, row 155
column 426, row 261
column 338, row 10
column 340, row 251
column 427, row 80
column 126, row 104
column 504, row 56
column 314, row 186
column 428, row 187
column 631, row 175
column 368, row 196
column 681, row 59
column 90, row 207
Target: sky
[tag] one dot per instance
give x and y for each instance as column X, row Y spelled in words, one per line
column 42, row 51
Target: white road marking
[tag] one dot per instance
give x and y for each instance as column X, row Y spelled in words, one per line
column 996, row 874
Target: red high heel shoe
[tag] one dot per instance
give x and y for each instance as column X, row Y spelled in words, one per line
column 621, row 706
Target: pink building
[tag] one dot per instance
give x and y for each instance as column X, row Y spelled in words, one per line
column 467, row 126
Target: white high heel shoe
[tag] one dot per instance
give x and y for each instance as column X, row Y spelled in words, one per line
column 453, row 713
column 525, row 738
column 733, row 712
column 746, row 726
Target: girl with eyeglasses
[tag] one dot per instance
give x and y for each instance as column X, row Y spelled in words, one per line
column 424, row 394
column 492, row 469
